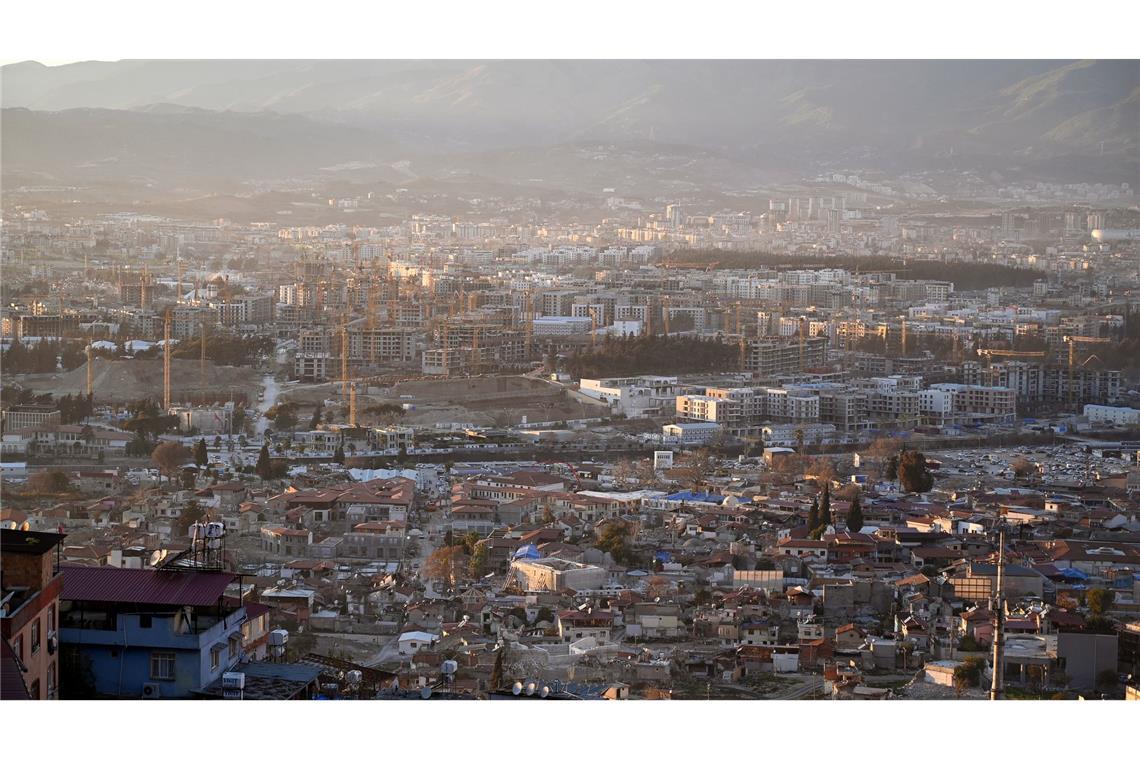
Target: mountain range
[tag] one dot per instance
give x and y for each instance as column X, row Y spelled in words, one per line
column 1063, row 120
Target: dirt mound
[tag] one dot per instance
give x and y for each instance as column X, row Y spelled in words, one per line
column 130, row 379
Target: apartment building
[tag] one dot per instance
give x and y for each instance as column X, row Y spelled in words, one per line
column 29, row 618
column 955, row 404
column 775, row 357
column 638, row 396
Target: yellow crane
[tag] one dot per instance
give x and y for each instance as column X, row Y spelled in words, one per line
column 1073, row 340
column 990, row 353
column 352, row 404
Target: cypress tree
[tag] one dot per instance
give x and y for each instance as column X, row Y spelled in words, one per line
column 855, row 515
column 201, row 457
column 825, row 506
column 813, row 515
column 263, row 468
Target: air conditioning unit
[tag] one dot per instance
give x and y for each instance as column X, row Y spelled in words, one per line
column 151, row 690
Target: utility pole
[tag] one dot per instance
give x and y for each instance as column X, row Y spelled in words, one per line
column 343, row 362
column 202, row 358
column 166, row 363
column 90, row 373
column 999, row 618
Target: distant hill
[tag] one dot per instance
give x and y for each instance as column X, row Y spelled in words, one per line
column 1049, row 116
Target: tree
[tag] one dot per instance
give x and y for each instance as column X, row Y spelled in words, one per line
column 799, row 440
column 284, row 416
column 169, row 457
column 548, row 515
column 969, row 673
column 822, row 469
column 1022, row 467
column 447, row 564
column 1099, row 600
column 813, row 514
column 191, row 513
column 262, row 468
column 615, row 540
column 695, row 468
column 201, row 457
column 187, row 479
column 477, row 566
column 469, row 542
column 338, row 455
column 825, row 506
column 52, row 481
column 912, row 473
column 855, row 515
column 315, row 421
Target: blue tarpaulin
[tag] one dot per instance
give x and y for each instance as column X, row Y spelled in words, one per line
column 1074, row 573
column 527, row 551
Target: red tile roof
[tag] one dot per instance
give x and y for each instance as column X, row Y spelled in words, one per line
column 165, row 587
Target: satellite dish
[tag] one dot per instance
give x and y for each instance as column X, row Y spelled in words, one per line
column 530, row 688
column 425, row 692
column 517, row 688
column 545, row 692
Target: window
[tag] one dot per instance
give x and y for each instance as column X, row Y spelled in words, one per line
column 35, row 636
column 19, row 647
column 145, row 621
column 51, row 620
column 233, row 648
column 162, row 666
column 215, row 658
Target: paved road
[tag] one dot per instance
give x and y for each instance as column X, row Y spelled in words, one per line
column 271, row 391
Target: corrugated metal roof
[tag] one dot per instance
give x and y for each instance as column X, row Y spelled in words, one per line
column 110, row 584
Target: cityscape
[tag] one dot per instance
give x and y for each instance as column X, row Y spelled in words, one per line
column 570, row 380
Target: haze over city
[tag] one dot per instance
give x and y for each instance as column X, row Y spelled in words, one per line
column 570, row 380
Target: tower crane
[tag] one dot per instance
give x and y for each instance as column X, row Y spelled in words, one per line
column 989, row 353
column 1073, row 340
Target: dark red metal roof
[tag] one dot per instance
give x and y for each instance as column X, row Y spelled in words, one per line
column 12, row 684
column 167, row 587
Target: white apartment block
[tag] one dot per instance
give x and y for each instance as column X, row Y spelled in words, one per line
column 638, row 396
column 1116, row 415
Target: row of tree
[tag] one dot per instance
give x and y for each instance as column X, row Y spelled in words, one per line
column 652, row 353
column 43, row 356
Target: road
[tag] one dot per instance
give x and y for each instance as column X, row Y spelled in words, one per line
column 271, row 391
